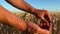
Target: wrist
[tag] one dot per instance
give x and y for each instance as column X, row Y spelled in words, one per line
column 33, row 11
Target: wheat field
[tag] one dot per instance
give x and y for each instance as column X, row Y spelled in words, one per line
column 4, row 29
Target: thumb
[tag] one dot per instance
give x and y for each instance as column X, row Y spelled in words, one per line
column 44, row 20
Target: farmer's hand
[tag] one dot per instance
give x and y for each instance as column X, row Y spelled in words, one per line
column 44, row 15
column 22, row 5
column 35, row 29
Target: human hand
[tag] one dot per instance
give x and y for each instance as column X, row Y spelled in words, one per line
column 44, row 15
column 35, row 29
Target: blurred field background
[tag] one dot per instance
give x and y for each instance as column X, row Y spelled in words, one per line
column 4, row 29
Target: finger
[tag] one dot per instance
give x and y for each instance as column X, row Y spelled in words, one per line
column 47, row 24
column 44, row 20
column 44, row 24
column 50, row 28
column 50, row 20
column 49, row 17
column 41, row 25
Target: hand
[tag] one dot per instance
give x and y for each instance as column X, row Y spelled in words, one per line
column 44, row 15
column 35, row 29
